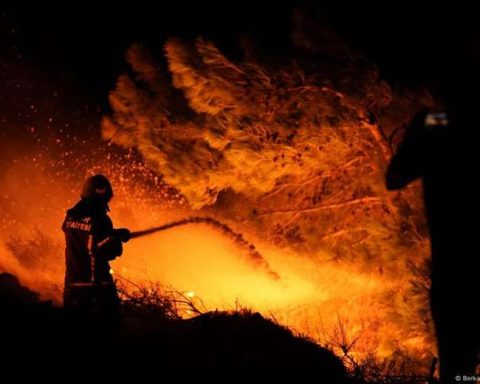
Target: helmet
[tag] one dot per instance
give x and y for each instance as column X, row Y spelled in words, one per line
column 97, row 187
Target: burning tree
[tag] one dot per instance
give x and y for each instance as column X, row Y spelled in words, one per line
column 292, row 147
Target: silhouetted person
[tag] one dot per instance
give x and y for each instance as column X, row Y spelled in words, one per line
column 91, row 242
column 439, row 148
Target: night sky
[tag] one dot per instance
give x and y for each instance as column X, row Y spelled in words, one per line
column 85, row 46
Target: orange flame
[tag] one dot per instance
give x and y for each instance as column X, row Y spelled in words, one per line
column 290, row 158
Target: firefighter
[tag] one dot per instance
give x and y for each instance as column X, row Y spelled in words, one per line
column 91, row 242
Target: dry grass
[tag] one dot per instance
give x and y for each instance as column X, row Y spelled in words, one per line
column 164, row 304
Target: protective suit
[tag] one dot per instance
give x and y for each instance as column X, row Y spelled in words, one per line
column 91, row 242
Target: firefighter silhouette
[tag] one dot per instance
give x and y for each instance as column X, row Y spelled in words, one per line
column 91, row 242
column 438, row 148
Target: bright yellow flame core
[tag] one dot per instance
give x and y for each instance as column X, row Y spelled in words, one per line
column 333, row 303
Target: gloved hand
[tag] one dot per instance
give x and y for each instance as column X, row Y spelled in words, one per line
column 122, row 234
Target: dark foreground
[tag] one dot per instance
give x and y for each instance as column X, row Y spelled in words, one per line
column 214, row 347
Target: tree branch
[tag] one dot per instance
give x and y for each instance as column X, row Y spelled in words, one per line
column 363, row 200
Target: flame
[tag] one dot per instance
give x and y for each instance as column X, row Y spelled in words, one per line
column 314, row 296
column 296, row 161
column 287, row 158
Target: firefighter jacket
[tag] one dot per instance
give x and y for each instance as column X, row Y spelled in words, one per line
column 90, row 244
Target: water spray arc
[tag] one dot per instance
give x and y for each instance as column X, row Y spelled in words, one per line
column 253, row 255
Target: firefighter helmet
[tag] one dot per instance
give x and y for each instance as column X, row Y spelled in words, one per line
column 97, row 187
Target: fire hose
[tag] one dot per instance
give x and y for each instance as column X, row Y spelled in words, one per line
column 253, row 255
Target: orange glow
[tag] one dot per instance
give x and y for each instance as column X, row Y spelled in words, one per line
column 314, row 296
column 311, row 297
column 293, row 165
